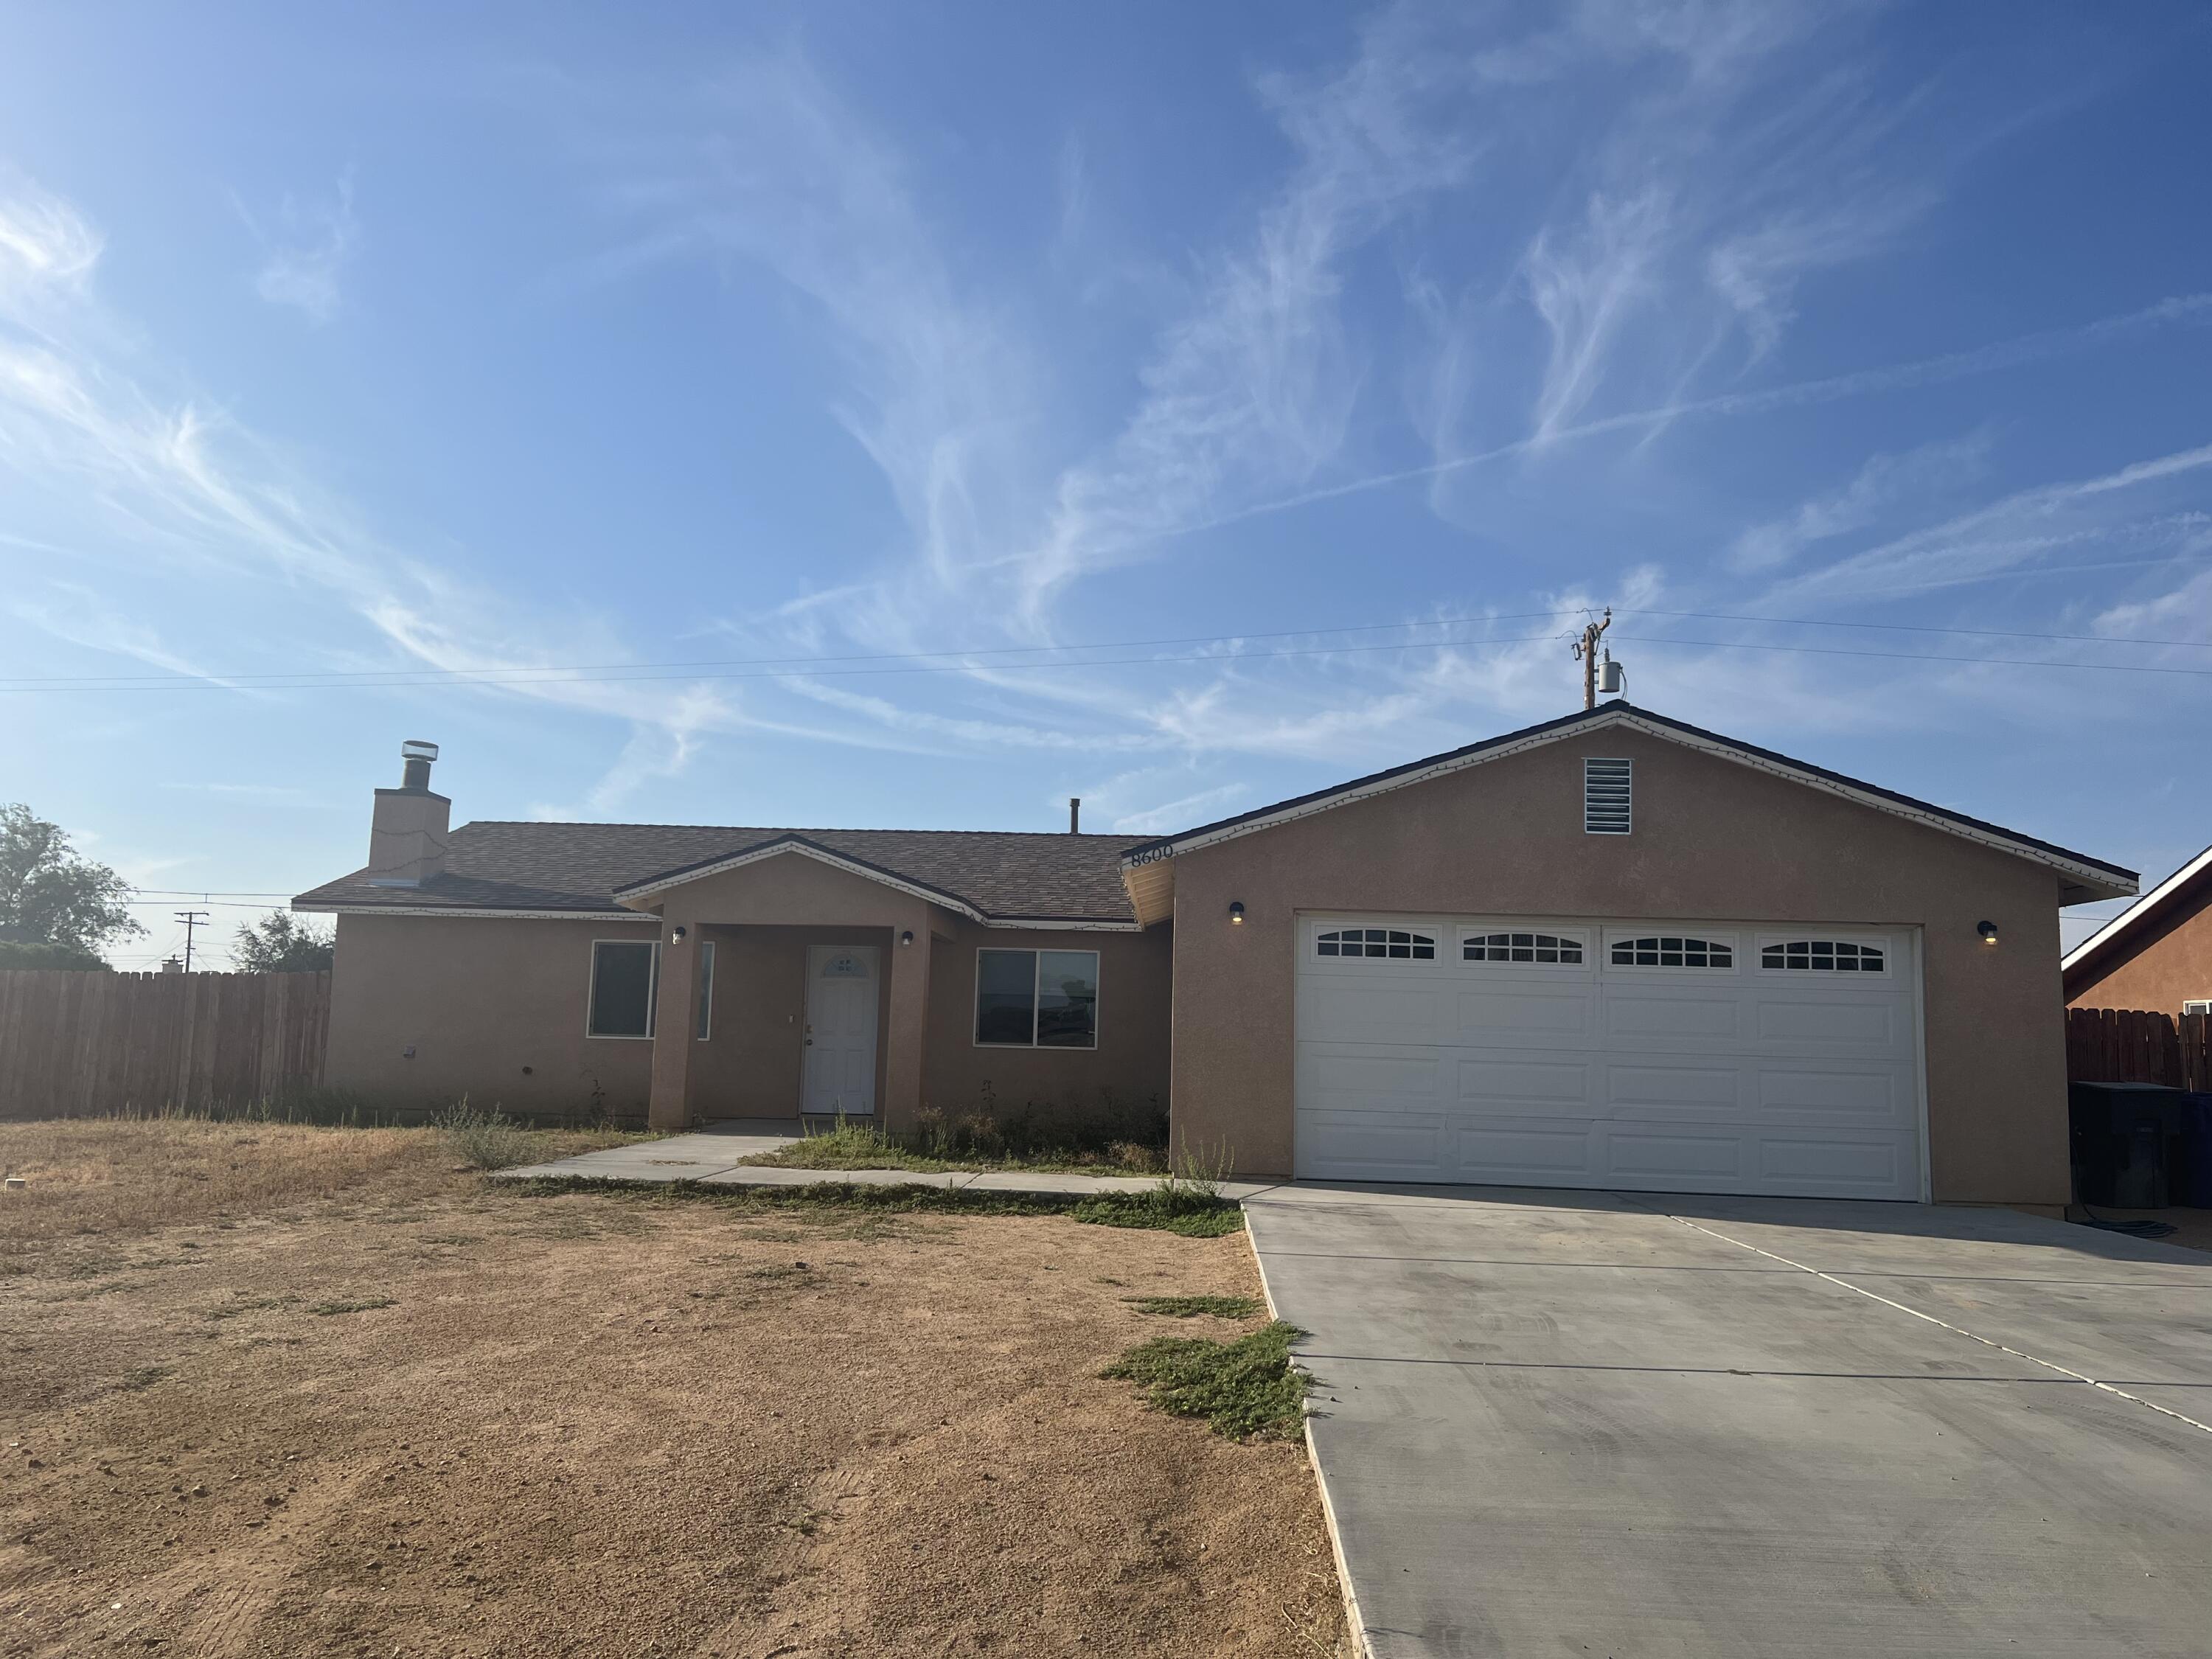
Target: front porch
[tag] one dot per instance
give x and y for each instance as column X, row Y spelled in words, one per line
column 789, row 987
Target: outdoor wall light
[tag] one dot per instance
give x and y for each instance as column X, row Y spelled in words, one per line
column 1987, row 930
column 1236, row 913
column 677, row 933
column 907, row 937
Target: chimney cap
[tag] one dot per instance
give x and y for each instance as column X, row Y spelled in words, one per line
column 416, row 748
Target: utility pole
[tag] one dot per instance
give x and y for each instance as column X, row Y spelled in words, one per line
column 1586, row 650
column 192, row 919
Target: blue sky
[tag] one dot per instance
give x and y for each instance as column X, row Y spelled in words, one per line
column 686, row 369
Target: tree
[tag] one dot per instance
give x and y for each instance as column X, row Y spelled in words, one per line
column 39, row 954
column 50, row 895
column 278, row 944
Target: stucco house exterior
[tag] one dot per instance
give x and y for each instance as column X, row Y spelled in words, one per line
column 2157, row 954
column 1613, row 950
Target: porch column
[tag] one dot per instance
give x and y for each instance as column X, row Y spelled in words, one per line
column 672, row 1027
column 908, row 1023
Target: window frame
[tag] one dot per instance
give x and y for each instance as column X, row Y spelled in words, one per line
column 1419, row 935
column 703, row 1024
column 592, row 992
column 1037, row 954
column 1883, row 946
column 1558, row 936
column 1707, row 936
column 1625, row 781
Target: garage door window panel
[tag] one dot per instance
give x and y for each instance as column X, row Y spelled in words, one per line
column 1700, row 952
column 1376, row 944
column 1534, row 949
column 1821, row 955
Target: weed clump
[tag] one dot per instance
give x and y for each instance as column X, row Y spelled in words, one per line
column 482, row 1141
column 1247, row 1388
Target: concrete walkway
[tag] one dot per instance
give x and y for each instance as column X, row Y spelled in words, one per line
column 711, row 1156
column 1584, row 1423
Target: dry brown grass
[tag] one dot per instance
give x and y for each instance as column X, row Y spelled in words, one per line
column 385, row 1407
column 121, row 1175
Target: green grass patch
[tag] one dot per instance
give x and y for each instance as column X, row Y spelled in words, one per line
column 1176, row 1208
column 864, row 1146
column 1170, row 1207
column 365, row 1305
column 1196, row 1307
column 1246, row 1389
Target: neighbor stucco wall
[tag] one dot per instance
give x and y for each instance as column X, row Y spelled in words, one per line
column 479, row 999
column 1127, row 1074
column 2166, row 964
column 1712, row 840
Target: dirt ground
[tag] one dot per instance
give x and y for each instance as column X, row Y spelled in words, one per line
column 398, row 1411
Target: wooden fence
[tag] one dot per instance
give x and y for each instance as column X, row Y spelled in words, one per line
column 2130, row 1045
column 74, row 1044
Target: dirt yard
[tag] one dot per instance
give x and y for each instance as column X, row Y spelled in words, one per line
column 340, row 1398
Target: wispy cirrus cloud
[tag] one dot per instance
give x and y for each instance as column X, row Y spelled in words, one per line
column 1882, row 485
column 305, row 252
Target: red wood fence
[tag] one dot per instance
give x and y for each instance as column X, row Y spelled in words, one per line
column 73, row 1043
column 2132, row 1045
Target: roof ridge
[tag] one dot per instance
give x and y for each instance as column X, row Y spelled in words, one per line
column 1125, row 838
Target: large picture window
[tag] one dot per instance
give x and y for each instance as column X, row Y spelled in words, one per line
column 625, row 983
column 1037, row 999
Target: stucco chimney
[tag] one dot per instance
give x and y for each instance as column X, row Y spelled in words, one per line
column 407, row 835
column 1075, row 815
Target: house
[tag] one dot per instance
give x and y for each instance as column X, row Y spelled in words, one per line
column 2157, row 954
column 1613, row 950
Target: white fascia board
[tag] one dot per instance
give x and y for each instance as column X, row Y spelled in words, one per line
column 2142, row 908
column 476, row 914
column 929, row 895
column 1616, row 717
column 777, row 849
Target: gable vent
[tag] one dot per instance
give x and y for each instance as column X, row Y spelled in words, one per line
column 1606, row 797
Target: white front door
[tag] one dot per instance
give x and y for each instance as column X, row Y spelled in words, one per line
column 1667, row 1055
column 841, row 1030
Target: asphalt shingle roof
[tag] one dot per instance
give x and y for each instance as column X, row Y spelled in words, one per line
column 501, row 866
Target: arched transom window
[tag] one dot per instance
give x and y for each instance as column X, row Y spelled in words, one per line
column 1401, row 943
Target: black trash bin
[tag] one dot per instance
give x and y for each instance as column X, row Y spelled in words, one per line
column 2124, row 1136
column 2188, row 1174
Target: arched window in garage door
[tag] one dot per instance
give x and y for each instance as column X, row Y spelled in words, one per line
column 1672, row 951
column 1401, row 943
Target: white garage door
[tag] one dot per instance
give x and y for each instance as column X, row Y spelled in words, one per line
column 1663, row 1056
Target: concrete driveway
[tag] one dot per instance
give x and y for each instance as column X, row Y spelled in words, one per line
column 1588, row 1424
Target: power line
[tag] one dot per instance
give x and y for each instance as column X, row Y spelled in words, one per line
column 788, row 664
column 924, row 663
column 1924, row 656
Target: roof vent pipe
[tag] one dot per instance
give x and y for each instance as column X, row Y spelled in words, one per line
column 1075, row 815
column 415, row 758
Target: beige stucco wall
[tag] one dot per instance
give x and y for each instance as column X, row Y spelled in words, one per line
column 1713, row 840
column 2168, row 964
column 479, row 1000
column 1126, row 1074
column 751, row 1064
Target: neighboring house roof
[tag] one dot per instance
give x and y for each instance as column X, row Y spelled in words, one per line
column 500, row 868
column 2181, row 887
column 1152, row 883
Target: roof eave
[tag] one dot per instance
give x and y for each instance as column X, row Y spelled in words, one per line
column 2092, row 878
column 2152, row 903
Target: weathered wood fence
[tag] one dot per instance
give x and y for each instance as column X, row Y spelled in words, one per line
column 74, row 1044
column 2132, row 1045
